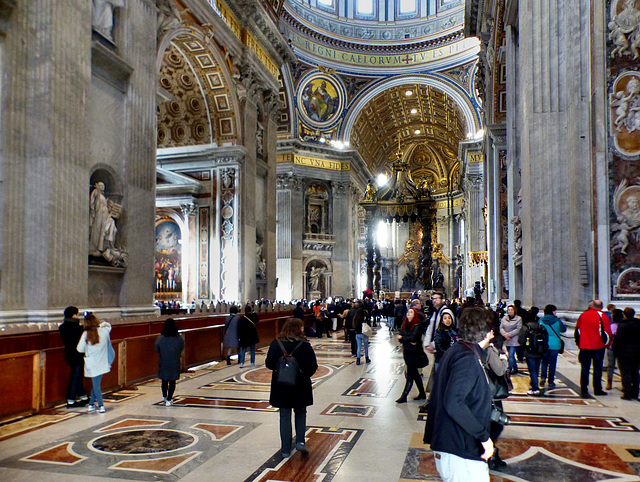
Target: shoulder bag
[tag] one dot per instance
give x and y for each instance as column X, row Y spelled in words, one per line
column 366, row 329
column 111, row 353
column 561, row 350
column 603, row 334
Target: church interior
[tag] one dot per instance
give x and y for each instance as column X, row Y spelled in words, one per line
column 219, row 152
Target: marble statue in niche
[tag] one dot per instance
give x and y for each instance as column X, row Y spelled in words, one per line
column 625, row 29
column 517, row 230
column 103, row 213
column 102, row 16
column 259, row 136
column 261, row 264
column 314, row 276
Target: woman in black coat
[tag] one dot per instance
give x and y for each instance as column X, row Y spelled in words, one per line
column 169, row 346
column 411, row 339
column 247, row 335
column 298, row 397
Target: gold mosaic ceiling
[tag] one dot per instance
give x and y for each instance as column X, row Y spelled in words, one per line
column 432, row 152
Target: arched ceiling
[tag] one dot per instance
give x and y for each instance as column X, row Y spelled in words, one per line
column 393, row 113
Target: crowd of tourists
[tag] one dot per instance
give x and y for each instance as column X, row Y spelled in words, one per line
column 474, row 350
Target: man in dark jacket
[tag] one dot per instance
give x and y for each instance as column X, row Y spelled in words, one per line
column 626, row 347
column 460, row 405
column 70, row 332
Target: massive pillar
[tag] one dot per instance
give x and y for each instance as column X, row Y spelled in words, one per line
column 75, row 102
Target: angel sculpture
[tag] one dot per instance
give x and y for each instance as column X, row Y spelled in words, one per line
column 628, row 219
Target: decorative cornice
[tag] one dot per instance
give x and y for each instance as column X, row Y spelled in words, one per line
column 395, row 48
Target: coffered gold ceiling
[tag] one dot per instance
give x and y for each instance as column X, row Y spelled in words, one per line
column 432, row 153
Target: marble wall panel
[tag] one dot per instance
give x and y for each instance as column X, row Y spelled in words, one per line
column 623, row 106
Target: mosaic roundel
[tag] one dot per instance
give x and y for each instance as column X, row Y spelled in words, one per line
column 320, row 99
column 136, row 442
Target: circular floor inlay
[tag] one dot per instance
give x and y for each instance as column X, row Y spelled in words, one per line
column 143, row 441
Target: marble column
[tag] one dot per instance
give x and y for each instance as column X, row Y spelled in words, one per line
column 341, row 258
column 247, row 265
column 290, row 211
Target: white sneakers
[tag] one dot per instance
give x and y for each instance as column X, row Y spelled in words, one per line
column 101, row 409
column 92, row 409
column 168, row 403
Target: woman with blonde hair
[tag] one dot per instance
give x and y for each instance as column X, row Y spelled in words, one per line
column 94, row 344
column 297, row 397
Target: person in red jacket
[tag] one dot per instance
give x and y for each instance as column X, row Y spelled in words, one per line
column 589, row 338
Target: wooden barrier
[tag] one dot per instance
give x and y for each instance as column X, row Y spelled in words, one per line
column 37, row 379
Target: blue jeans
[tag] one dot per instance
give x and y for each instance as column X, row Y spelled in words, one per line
column 243, row 352
column 360, row 340
column 285, row 427
column 513, row 364
column 534, row 368
column 549, row 362
column 76, row 389
column 96, row 392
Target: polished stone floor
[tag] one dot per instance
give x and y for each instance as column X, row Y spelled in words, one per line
column 222, row 427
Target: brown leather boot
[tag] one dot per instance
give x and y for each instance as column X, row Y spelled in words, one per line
column 608, row 384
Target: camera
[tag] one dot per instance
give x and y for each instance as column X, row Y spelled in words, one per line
column 500, row 417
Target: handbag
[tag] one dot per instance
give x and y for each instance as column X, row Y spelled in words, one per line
column 366, row 329
column 422, row 359
column 499, row 385
column 561, row 350
column 111, row 353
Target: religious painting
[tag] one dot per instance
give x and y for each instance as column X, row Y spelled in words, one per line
column 320, row 99
column 168, row 257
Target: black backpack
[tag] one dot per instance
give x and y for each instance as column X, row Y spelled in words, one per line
column 536, row 341
column 288, row 368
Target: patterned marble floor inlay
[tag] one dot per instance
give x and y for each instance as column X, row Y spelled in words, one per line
column 368, row 387
column 223, row 403
column 589, row 422
column 535, row 461
column 151, row 441
column 259, row 379
column 35, row 422
column 350, row 410
column 134, row 448
column 120, row 396
column 584, row 422
column 328, row 448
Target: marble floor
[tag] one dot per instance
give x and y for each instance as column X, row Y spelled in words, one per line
column 221, row 427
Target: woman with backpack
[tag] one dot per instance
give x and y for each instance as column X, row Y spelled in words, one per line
column 535, row 341
column 291, row 394
column 94, row 344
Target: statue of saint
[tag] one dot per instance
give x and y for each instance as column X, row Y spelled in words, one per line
column 102, row 15
column 314, row 278
column 102, row 227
